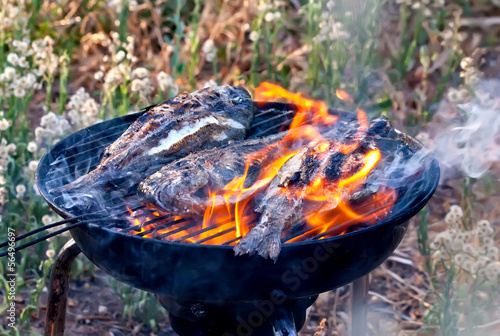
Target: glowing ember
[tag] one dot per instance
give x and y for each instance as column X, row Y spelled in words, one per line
column 230, row 213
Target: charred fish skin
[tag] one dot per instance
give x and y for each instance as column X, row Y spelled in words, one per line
column 183, row 186
column 280, row 210
column 187, row 123
column 277, row 211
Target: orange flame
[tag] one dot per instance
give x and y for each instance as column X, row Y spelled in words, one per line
column 344, row 96
column 230, row 213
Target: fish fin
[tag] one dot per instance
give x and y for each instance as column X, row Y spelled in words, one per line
column 262, row 241
column 270, row 246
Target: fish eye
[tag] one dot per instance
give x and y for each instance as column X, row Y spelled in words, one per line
column 239, row 100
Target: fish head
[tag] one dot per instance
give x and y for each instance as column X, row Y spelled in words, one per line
column 230, row 101
column 177, row 188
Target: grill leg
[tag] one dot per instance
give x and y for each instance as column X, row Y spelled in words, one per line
column 358, row 306
column 58, row 289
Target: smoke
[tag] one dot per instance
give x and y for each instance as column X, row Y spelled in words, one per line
column 62, row 173
column 470, row 142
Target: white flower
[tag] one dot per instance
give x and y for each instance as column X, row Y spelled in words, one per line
column 482, row 261
column 466, row 63
column 19, row 92
column 23, row 63
column 50, row 253
column 120, row 55
column 210, row 83
column 492, row 253
column 9, row 73
column 488, row 241
column 46, row 220
column 99, row 75
column 4, row 124
column 30, row 80
column 140, row 73
column 32, row 165
column 470, row 266
column 20, row 190
column 470, row 249
column 142, row 86
column 32, row 147
column 209, row 50
column 13, row 59
column 483, row 224
column 456, row 210
column 269, row 17
column 455, row 96
column 459, row 259
column 39, row 132
column 484, row 231
column 102, row 310
column 137, row 85
column 254, row 36
column 11, row 148
column 492, row 271
column 165, row 82
column 452, row 219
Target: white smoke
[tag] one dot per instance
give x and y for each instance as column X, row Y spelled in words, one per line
column 473, row 145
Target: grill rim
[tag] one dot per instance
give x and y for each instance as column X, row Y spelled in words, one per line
column 401, row 216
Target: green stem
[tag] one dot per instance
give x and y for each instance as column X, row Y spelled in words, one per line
column 214, row 69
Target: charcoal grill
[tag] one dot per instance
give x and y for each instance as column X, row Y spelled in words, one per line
column 205, row 288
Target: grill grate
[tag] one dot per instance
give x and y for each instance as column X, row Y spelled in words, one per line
column 85, row 155
column 97, row 144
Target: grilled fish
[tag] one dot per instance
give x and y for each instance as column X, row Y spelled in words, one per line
column 183, row 186
column 281, row 209
column 184, row 124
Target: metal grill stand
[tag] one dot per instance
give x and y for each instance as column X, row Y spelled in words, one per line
column 58, row 289
column 277, row 316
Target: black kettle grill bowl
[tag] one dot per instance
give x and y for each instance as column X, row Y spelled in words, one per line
column 213, row 273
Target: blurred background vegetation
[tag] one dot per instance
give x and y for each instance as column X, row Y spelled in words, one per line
column 66, row 64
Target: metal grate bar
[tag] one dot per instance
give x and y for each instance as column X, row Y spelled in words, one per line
column 95, row 137
column 229, row 242
column 98, row 135
column 87, row 161
column 272, row 119
column 185, row 227
column 156, row 228
column 218, row 234
column 272, row 128
column 208, row 228
column 296, row 234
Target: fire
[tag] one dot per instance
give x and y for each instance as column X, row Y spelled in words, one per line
column 344, row 96
column 230, row 212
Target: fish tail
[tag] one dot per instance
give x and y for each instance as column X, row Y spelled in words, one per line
column 80, row 185
column 262, row 241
